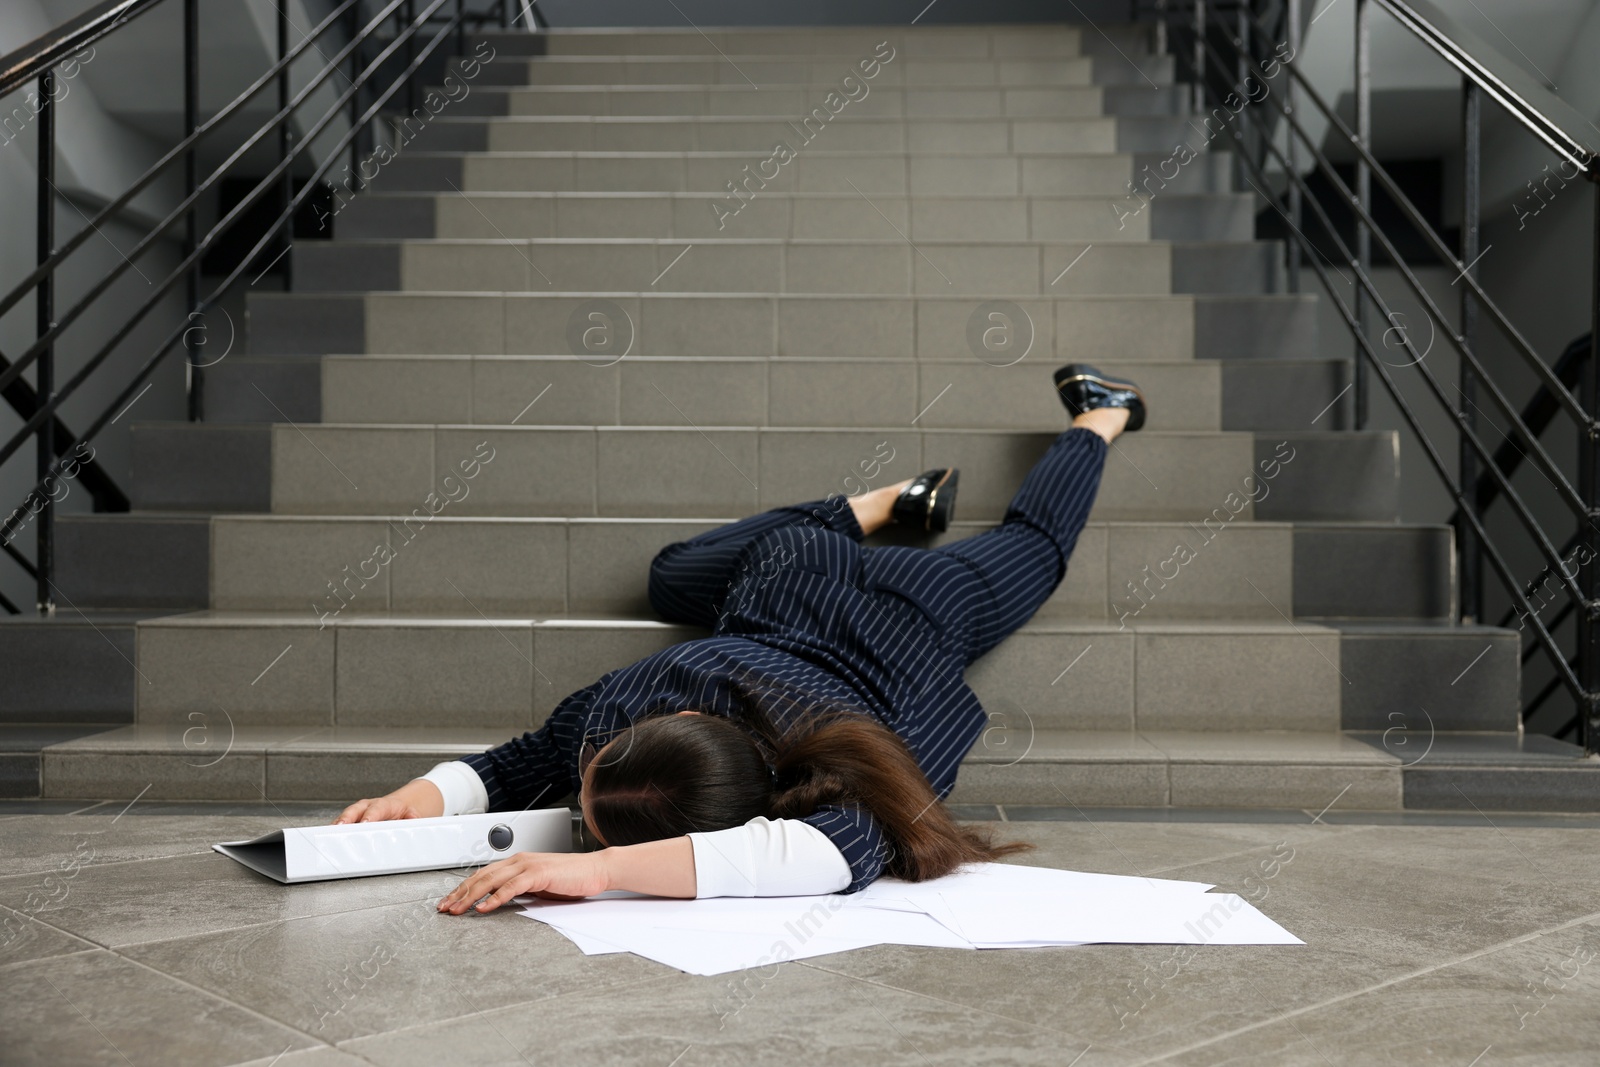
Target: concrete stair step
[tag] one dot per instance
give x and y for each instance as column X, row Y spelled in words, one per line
column 879, row 101
column 755, row 137
column 1157, row 327
column 481, row 669
column 1224, row 217
column 871, row 264
column 68, row 669
column 1132, row 69
column 21, row 754
column 373, row 565
column 1326, row 773
column 376, row 565
column 622, row 99
column 642, row 391
column 687, row 471
column 1278, row 394
column 871, row 173
column 972, row 41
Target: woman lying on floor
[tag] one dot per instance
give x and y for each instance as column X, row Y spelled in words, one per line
column 805, row 745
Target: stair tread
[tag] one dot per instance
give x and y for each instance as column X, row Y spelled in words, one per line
column 211, row 617
column 1050, row 745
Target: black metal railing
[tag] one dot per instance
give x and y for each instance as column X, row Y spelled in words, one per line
column 1242, row 56
column 378, row 48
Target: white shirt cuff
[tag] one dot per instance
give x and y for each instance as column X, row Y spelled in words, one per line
column 767, row 858
column 464, row 792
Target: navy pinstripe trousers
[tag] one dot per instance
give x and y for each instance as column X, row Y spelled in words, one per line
column 975, row 591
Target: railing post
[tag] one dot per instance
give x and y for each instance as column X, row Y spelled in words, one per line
column 505, row 14
column 461, row 27
column 1296, row 208
column 191, row 118
column 1468, row 552
column 1363, row 195
column 1163, row 28
column 44, row 369
column 408, row 14
column 1589, row 487
column 1242, row 72
column 285, row 139
column 355, row 101
column 1200, row 26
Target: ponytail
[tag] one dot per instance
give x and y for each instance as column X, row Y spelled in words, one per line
column 851, row 759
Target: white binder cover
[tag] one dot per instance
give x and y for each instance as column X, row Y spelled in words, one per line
column 355, row 850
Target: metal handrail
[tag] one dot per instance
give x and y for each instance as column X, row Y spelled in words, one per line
column 1550, row 121
column 37, row 60
column 47, row 50
column 1546, row 115
column 1370, row 290
column 223, row 224
column 1365, row 347
column 178, row 151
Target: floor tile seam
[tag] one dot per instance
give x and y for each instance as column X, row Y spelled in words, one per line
column 48, row 925
column 1421, row 972
column 110, row 863
column 264, row 923
column 89, row 805
column 322, row 1042
column 52, row 957
column 224, row 998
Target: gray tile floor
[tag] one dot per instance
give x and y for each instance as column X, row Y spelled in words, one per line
column 1433, row 940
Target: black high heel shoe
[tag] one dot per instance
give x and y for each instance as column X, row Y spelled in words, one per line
column 1083, row 388
column 929, row 502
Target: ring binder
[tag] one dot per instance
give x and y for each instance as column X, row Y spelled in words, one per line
column 359, row 850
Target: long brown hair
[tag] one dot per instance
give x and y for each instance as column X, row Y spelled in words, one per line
column 668, row 775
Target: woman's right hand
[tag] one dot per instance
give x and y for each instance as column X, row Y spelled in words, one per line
column 418, row 799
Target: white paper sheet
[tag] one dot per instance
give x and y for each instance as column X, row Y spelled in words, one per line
column 984, row 906
column 1129, row 915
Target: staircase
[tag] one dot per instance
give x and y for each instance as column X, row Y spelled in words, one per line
column 567, row 325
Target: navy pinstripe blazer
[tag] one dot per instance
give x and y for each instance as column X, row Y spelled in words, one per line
column 830, row 620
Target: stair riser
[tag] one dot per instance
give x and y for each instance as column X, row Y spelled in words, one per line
column 309, row 771
column 599, row 567
column 825, row 73
column 972, row 137
column 313, row 770
column 966, row 42
column 1197, row 395
column 975, row 137
column 126, row 562
column 619, row 471
column 871, row 174
column 66, row 673
column 833, row 267
column 521, row 216
column 1082, row 328
column 932, row 268
column 1058, row 101
column 794, row 393
column 508, row 675
column 511, row 71
column 679, row 472
column 798, row 100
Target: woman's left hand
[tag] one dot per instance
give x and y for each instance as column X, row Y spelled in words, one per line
column 553, row 875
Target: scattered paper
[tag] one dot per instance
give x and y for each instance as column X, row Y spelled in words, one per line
column 984, row 906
